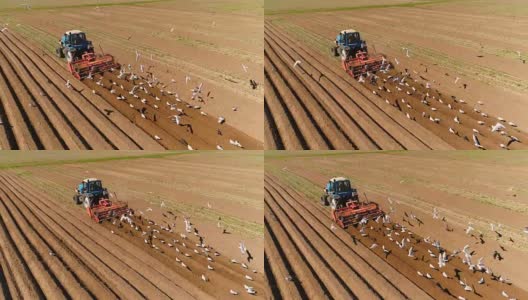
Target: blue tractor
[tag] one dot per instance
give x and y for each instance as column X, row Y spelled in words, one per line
column 355, row 58
column 73, row 44
column 348, row 42
column 96, row 199
column 90, row 190
column 80, row 54
column 338, row 192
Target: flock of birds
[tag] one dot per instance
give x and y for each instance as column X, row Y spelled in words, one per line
column 404, row 83
column 429, row 101
column 155, row 236
column 143, row 90
column 393, row 231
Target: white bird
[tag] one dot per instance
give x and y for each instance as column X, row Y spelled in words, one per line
column 361, row 79
column 297, row 62
column 476, row 141
column 251, row 291
column 235, row 143
column 242, row 247
column 445, row 274
column 468, row 288
column 204, row 278
column 209, row 267
column 218, row 147
column 451, row 130
column 469, row 229
column 497, row 127
column 428, row 276
column 245, row 68
column 248, row 278
column 457, row 120
column 374, row 245
column 233, row 292
column 504, row 294
column 221, row 120
column 189, row 147
column 411, row 252
column 481, row 281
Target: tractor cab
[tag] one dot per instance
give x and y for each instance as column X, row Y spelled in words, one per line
column 91, row 185
column 338, row 192
column 90, row 191
column 348, row 43
column 73, row 45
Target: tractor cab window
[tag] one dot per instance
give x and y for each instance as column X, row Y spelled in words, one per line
column 95, row 186
column 342, row 186
column 77, row 39
column 352, row 37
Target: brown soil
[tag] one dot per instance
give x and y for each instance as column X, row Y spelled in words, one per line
column 380, row 120
column 414, row 183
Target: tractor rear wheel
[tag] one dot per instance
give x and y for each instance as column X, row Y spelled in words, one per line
column 334, row 51
column 77, row 200
column 324, row 201
column 60, row 52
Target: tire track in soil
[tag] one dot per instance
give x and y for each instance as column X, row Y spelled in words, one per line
column 44, row 133
column 357, row 126
column 84, row 126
